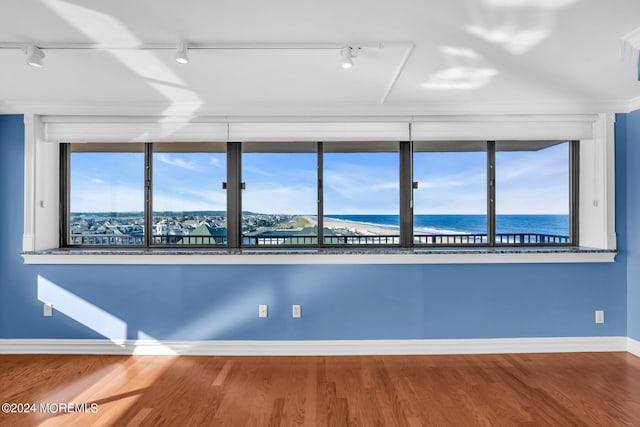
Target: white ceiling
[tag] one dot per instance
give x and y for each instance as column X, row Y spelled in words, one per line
column 491, row 56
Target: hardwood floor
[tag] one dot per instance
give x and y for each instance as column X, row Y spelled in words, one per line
column 573, row 389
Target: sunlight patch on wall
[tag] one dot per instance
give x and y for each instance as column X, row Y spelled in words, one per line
column 81, row 311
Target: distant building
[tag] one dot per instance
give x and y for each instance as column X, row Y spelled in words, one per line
column 204, row 234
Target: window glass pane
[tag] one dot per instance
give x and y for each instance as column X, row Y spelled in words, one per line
column 280, row 200
column 450, row 203
column 361, row 194
column 189, row 203
column 532, row 192
column 106, row 194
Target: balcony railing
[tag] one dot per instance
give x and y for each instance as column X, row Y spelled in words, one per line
column 530, row 238
column 296, row 240
column 105, row 239
column 481, row 239
column 280, row 240
column 123, row 239
column 293, row 240
column 363, row 240
column 189, row 240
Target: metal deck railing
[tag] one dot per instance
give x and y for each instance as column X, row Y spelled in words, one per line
column 297, row 240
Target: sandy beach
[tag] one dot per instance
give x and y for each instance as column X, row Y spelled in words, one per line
column 355, row 227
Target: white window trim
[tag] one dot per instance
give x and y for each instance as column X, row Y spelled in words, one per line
column 597, row 179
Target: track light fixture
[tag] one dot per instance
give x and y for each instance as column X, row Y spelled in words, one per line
column 182, row 55
column 34, row 56
column 347, row 54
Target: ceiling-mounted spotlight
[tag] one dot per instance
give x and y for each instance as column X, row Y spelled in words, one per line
column 34, row 56
column 182, row 53
column 347, row 54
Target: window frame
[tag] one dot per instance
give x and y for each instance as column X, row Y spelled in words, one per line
column 234, row 187
column 149, row 238
column 65, row 202
column 148, row 207
column 402, row 145
column 237, row 193
column 491, row 212
column 43, row 134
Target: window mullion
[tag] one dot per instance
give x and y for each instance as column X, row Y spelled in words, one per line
column 320, row 213
column 148, row 194
column 491, row 193
column 406, row 194
column 574, row 188
column 234, row 196
column 65, row 182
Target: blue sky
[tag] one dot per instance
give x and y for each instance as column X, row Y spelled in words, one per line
column 527, row 182
column 535, row 182
column 450, row 183
column 354, row 183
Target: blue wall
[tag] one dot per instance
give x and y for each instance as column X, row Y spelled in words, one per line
column 632, row 142
column 338, row 302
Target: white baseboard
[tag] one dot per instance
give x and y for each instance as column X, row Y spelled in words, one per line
column 633, row 346
column 320, row 348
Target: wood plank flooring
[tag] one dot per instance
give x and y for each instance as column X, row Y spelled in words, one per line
column 571, row 389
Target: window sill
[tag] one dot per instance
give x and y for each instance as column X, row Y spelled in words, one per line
column 322, row 256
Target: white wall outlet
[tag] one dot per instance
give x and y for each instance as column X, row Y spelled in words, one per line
column 48, row 310
column 262, row 310
column 599, row 316
column 296, row 312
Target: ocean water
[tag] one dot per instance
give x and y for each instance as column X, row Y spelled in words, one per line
column 557, row 225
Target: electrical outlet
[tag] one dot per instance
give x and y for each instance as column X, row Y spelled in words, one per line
column 599, row 316
column 296, row 312
column 48, row 310
column 262, row 310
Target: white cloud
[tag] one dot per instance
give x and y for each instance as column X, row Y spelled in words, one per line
column 356, row 186
column 253, row 170
column 178, row 198
column 280, row 200
column 351, row 188
column 169, row 202
column 176, row 161
column 116, row 199
column 385, row 186
column 97, row 181
column 443, row 203
column 536, row 201
column 540, row 167
column 440, row 184
column 457, row 193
